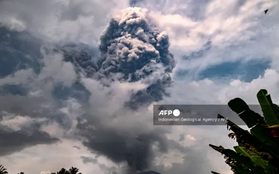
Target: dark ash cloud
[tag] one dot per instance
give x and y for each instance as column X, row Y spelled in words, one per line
column 19, row 59
column 120, row 147
column 13, row 141
column 18, row 50
column 133, row 49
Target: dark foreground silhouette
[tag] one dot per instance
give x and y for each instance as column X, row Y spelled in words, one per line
column 72, row 170
column 257, row 151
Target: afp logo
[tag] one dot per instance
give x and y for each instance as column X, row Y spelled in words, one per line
column 174, row 112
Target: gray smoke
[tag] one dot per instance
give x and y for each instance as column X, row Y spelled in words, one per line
column 13, row 141
column 132, row 49
column 119, row 146
column 81, row 58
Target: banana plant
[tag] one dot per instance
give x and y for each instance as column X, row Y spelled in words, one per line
column 3, row 170
column 258, row 148
column 269, row 109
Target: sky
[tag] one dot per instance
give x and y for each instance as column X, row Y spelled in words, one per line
column 78, row 80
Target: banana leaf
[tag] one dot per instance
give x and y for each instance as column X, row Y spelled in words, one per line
column 250, row 117
column 214, row 172
column 255, row 158
column 270, row 110
column 244, row 137
column 259, row 131
column 240, row 170
column 243, row 160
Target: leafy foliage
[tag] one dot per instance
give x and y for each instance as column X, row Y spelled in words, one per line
column 3, row 170
column 257, row 151
column 72, row 170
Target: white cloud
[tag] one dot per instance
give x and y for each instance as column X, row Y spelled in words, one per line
column 107, row 102
column 54, row 20
column 55, row 71
column 52, row 158
column 225, row 23
column 17, row 123
column 24, row 76
column 219, row 92
column 237, row 31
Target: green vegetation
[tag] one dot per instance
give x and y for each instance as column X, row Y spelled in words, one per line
column 258, row 149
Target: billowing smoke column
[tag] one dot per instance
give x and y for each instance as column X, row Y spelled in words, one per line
column 132, row 49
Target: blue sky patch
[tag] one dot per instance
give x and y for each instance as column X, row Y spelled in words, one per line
column 245, row 71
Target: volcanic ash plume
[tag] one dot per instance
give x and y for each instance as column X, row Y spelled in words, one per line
column 133, row 49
